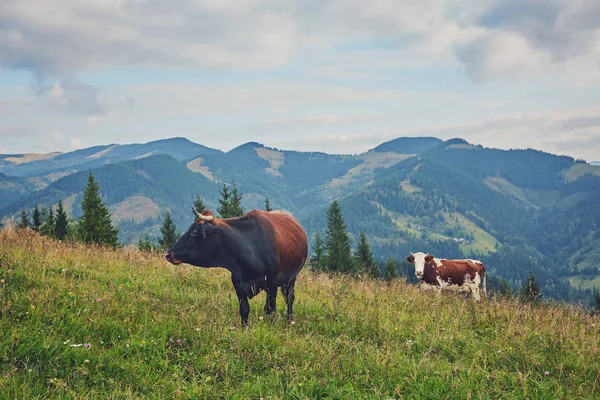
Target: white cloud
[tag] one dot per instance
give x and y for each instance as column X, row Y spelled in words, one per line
column 359, row 47
column 75, row 143
column 63, row 37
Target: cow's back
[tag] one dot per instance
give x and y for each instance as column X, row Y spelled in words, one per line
column 455, row 271
column 290, row 241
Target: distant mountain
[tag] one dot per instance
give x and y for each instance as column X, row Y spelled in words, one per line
column 406, row 145
column 517, row 210
column 138, row 192
column 595, row 163
column 13, row 189
column 50, row 167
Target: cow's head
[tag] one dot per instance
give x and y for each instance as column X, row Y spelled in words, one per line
column 199, row 244
column 419, row 259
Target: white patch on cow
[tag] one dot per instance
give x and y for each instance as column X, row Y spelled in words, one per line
column 475, row 261
column 419, row 264
column 475, row 286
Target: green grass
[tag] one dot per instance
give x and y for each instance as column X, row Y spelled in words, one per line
column 578, row 170
column 586, row 283
column 484, row 242
column 160, row 331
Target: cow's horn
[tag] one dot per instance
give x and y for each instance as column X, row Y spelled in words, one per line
column 202, row 217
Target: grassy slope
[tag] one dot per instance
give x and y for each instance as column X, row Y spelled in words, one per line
column 162, row 331
column 484, row 242
column 586, row 283
column 578, row 170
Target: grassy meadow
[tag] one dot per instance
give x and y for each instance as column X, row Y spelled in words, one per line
column 83, row 322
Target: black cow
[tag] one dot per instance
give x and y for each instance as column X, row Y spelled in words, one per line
column 262, row 250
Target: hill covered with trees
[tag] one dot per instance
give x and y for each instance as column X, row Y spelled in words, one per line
column 516, row 210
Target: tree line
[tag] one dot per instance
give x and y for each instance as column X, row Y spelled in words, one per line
column 93, row 227
column 331, row 253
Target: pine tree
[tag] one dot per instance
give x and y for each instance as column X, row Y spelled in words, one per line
column 319, row 250
column 145, row 244
column 168, row 232
column 597, row 303
column 505, row 289
column 198, row 204
column 24, row 220
column 337, row 242
column 531, row 291
column 47, row 228
column 391, row 270
column 267, row 205
column 37, row 219
column 61, row 223
column 95, row 224
column 236, row 202
column 224, row 208
column 364, row 258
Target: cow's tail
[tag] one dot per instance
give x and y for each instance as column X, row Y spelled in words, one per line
column 484, row 282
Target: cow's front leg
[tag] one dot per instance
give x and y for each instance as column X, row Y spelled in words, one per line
column 242, row 300
column 271, row 305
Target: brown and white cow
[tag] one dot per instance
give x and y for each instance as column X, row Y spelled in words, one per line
column 457, row 275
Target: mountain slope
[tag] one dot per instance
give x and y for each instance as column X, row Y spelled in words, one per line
column 509, row 208
column 93, row 157
column 13, row 189
column 153, row 183
column 517, row 210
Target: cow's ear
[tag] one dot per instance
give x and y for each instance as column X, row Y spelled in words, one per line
column 410, row 259
column 210, row 229
column 429, row 258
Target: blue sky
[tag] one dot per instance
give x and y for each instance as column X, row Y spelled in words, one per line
column 330, row 75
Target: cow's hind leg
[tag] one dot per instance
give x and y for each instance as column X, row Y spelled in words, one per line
column 475, row 293
column 271, row 305
column 288, row 293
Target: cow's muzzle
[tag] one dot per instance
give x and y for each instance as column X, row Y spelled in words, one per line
column 170, row 256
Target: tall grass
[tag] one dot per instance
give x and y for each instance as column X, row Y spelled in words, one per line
column 84, row 322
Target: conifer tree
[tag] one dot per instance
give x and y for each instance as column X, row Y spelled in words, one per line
column 319, row 252
column 224, row 208
column 337, row 242
column 267, row 205
column 505, row 289
column 199, row 204
column 236, row 202
column 37, row 219
column 391, row 270
column 168, row 232
column 95, row 224
column 61, row 223
column 23, row 220
column 145, row 244
column 531, row 292
column 364, row 258
column 47, row 228
column 597, row 303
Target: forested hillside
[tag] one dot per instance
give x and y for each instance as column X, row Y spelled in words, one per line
column 517, row 210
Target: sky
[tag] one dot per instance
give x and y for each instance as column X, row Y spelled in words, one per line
column 339, row 76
